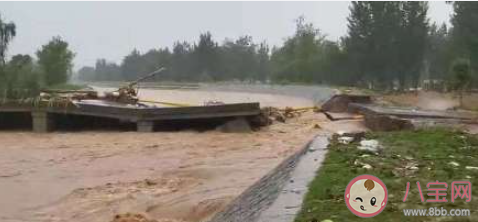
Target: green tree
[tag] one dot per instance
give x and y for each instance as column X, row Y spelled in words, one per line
column 438, row 55
column 386, row 42
column 358, row 42
column 131, row 65
column 55, row 61
column 21, row 77
column 107, row 71
column 263, row 59
column 7, row 33
column 413, row 42
column 87, row 73
column 181, row 61
column 461, row 76
column 206, row 58
column 465, row 31
column 239, row 59
column 300, row 58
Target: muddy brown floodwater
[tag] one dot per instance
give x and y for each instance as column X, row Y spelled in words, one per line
column 170, row 176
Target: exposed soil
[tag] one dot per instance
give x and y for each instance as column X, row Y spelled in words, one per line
column 168, row 176
column 433, row 100
column 437, row 101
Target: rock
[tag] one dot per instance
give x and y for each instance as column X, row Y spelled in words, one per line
column 367, row 166
column 407, row 171
column 454, row 164
column 363, row 165
column 369, row 145
column 471, row 168
column 345, row 139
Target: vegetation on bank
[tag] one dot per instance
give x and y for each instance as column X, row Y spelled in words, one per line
column 438, row 154
column 389, row 45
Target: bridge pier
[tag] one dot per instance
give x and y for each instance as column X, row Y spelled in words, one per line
column 145, row 126
column 42, row 122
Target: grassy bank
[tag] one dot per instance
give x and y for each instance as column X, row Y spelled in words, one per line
column 407, row 156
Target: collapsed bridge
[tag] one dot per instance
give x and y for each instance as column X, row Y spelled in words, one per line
column 121, row 107
column 43, row 117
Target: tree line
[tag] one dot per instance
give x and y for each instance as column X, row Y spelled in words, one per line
column 388, row 45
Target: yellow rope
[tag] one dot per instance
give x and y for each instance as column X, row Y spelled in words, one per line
column 166, row 103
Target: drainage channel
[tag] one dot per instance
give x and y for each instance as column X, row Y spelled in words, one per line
column 289, row 201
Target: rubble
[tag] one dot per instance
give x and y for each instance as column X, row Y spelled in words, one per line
column 379, row 122
column 340, row 102
column 345, row 139
column 367, row 166
column 454, row 164
column 369, row 145
column 471, row 168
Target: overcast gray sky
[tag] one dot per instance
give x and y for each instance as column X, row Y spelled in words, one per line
column 112, row 29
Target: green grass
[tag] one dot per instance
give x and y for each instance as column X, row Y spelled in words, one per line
column 431, row 150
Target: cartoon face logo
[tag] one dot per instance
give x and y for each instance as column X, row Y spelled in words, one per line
column 366, row 196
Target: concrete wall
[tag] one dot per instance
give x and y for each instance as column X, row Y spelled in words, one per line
column 248, row 206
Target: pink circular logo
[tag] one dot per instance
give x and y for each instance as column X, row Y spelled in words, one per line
column 366, row 196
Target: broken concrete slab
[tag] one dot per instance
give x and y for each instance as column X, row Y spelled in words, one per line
column 411, row 113
column 340, row 102
column 342, row 116
column 381, row 118
column 369, row 145
column 44, row 115
column 379, row 122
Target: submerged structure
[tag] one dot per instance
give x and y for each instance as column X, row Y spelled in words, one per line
column 121, row 107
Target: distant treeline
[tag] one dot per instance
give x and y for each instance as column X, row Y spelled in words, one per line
column 388, row 45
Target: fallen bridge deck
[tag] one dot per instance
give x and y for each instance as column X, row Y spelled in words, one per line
column 145, row 117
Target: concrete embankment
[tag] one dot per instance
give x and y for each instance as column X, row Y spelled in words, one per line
column 277, row 197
